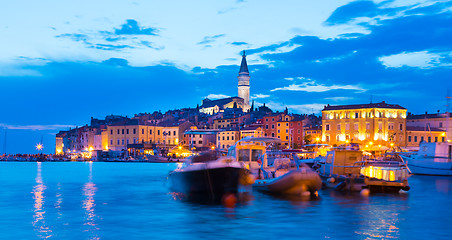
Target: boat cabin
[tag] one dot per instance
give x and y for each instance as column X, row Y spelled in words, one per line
column 252, row 150
column 341, row 162
column 435, row 149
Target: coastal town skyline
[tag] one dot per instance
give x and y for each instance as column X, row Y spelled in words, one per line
column 80, row 64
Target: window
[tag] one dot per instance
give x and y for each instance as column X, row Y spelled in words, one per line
column 287, row 137
column 266, row 119
column 442, row 139
column 273, row 126
column 174, row 133
column 142, row 131
column 200, row 142
column 111, row 142
column 338, row 127
column 429, row 139
column 122, row 131
column 401, row 127
column 368, row 126
column 127, row 141
column 279, row 131
column 169, row 133
column 232, row 137
column 356, row 115
column 380, row 125
column 134, row 131
column 415, row 138
column 122, row 141
column 287, row 124
column 422, row 139
column 409, row 138
column 273, row 119
column 327, row 127
column 440, row 124
column 111, row 131
column 391, row 126
column 223, row 138
column 227, row 138
column 219, row 138
column 158, row 132
column 266, row 126
column 134, row 140
column 287, row 130
column 273, row 134
column 436, row 139
column 118, row 141
column 347, row 126
column 150, row 132
column 118, row 131
column 356, row 126
column 279, row 124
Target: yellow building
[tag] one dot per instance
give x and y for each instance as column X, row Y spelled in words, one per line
column 252, row 131
column 374, row 124
column 227, row 138
column 416, row 135
column 130, row 132
column 282, row 130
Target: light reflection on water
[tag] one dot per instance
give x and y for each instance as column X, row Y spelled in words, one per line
column 42, row 230
column 129, row 201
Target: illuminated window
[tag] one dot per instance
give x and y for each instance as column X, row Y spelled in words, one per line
column 327, row 127
column 338, row 127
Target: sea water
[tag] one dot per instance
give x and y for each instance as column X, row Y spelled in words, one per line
column 83, row 200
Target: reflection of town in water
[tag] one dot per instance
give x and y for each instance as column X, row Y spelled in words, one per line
column 39, row 224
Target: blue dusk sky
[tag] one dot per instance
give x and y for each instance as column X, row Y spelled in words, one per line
column 62, row 62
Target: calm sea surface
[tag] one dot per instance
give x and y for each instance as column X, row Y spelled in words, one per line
column 131, row 201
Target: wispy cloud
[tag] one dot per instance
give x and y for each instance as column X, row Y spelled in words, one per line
column 210, row 39
column 311, row 86
column 258, row 95
column 422, row 59
column 297, row 108
column 336, row 99
column 132, row 27
column 216, row 96
column 35, row 127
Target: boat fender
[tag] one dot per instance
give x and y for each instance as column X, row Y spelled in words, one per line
column 406, row 188
column 365, row 192
column 331, row 180
column 340, row 186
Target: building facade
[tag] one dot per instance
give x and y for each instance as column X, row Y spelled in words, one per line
column 367, row 124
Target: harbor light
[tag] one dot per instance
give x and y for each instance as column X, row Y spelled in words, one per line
column 39, row 146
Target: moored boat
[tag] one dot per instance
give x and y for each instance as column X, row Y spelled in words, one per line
column 433, row 158
column 276, row 174
column 346, row 170
column 207, row 176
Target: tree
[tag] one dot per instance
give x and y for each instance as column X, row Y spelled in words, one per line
column 307, row 139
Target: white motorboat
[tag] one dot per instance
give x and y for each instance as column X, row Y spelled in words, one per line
column 433, row 158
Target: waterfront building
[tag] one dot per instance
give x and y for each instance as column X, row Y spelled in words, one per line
column 251, row 131
column 313, row 134
column 430, row 121
column 377, row 124
column 132, row 131
column 201, row 139
column 227, row 138
column 417, row 134
column 282, row 130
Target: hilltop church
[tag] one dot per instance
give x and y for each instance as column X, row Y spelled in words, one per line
column 242, row 101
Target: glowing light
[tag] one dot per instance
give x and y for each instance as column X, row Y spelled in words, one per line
column 317, row 139
column 370, row 143
column 39, row 146
column 379, row 145
column 361, row 137
column 443, row 134
column 106, row 147
column 90, row 148
column 59, row 151
column 392, row 144
column 213, row 147
column 180, row 147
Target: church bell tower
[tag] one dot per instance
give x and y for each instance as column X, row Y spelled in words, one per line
column 244, row 83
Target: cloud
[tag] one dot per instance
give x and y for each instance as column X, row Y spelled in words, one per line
column 131, row 27
column 422, row 59
column 210, row 39
column 313, row 87
column 216, row 96
column 257, row 96
column 117, row 62
column 239, row 43
column 76, row 37
column 35, row 127
column 296, row 108
column 336, row 99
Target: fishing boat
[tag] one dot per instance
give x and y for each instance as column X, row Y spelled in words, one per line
column 275, row 173
column 207, row 176
column 346, row 170
column 433, row 158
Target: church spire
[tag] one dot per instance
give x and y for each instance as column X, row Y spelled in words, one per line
column 243, row 65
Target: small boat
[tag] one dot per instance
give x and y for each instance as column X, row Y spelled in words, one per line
column 346, row 170
column 275, row 172
column 434, row 158
column 206, row 176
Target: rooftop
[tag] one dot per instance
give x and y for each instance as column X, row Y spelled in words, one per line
column 360, row 106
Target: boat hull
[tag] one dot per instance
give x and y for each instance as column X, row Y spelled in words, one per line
column 429, row 166
column 294, row 182
column 211, row 183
